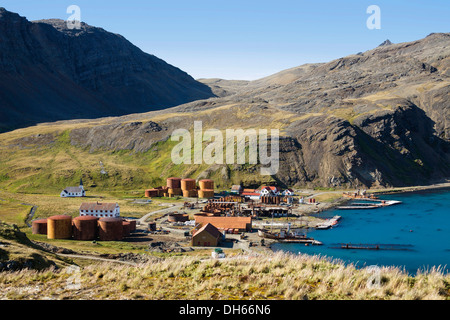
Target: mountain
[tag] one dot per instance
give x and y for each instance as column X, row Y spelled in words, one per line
column 374, row 119
column 49, row 72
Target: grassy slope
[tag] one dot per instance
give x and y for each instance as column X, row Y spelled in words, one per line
column 18, row 248
column 49, row 167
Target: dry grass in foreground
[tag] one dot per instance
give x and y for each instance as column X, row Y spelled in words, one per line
column 276, row 276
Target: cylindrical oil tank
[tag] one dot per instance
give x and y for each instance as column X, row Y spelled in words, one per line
column 39, row 226
column 126, row 225
column 177, row 217
column 85, row 228
column 160, row 192
column 188, row 184
column 175, row 191
column 186, row 193
column 174, row 183
column 132, row 224
column 150, row 193
column 206, row 193
column 206, row 184
column 189, row 193
column 110, row 229
column 59, row 227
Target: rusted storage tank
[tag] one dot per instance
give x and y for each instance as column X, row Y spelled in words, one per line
column 177, row 217
column 126, row 225
column 162, row 191
column 152, row 226
column 110, row 229
column 175, row 191
column 132, row 225
column 39, row 226
column 174, row 183
column 85, row 228
column 206, row 193
column 59, row 227
column 189, row 193
column 206, row 184
column 188, row 184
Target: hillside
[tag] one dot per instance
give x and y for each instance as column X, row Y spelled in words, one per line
column 17, row 252
column 374, row 119
column 271, row 277
column 48, row 73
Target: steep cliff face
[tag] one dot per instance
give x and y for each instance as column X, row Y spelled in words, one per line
column 48, row 73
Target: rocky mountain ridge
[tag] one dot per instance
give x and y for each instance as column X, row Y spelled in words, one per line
column 49, row 72
column 373, row 119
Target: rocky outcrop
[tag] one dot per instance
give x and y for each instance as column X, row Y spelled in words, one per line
column 49, row 72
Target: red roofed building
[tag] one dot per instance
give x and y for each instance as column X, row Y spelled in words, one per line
column 240, row 223
column 253, row 194
column 269, row 191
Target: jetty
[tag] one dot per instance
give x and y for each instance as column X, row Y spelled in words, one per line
column 333, row 222
column 368, row 246
column 380, row 204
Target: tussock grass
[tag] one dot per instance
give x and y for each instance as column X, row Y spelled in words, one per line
column 271, row 276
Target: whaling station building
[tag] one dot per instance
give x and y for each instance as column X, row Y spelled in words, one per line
column 100, row 210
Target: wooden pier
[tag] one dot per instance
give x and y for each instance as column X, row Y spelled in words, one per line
column 376, row 246
column 381, row 204
column 328, row 223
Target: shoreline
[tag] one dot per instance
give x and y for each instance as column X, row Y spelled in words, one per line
column 395, row 190
column 400, row 190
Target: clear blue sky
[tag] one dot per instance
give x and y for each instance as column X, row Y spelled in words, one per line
column 249, row 39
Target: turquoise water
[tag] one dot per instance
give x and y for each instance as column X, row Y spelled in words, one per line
column 422, row 222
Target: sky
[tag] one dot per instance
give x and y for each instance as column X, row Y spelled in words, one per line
column 249, row 39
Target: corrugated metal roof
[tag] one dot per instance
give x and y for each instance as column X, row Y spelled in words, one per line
column 250, row 194
column 225, row 222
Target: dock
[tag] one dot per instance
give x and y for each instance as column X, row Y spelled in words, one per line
column 368, row 246
column 328, row 223
column 381, row 204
